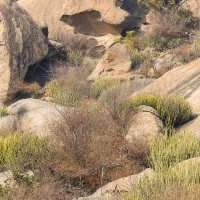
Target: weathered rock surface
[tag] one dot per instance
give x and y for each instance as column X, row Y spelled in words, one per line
column 184, row 81
column 22, row 44
column 32, row 116
column 115, row 189
column 145, row 124
column 87, row 17
column 115, row 60
column 150, row 24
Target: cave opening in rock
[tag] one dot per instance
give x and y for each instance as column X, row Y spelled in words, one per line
column 90, row 23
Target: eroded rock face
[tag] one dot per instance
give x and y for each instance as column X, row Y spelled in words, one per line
column 90, row 23
column 115, row 60
column 75, row 18
column 138, row 13
column 22, row 44
column 86, row 16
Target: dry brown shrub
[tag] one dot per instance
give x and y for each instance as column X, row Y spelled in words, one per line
column 49, row 189
column 92, row 148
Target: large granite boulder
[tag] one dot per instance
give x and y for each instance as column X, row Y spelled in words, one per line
column 115, row 60
column 22, row 44
column 32, row 116
column 145, row 124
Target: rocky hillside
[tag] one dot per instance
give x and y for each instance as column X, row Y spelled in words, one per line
column 99, row 99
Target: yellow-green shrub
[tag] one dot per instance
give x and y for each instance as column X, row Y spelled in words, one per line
column 169, row 182
column 75, row 56
column 3, row 111
column 16, row 148
column 174, row 110
column 165, row 153
column 56, row 91
column 103, row 83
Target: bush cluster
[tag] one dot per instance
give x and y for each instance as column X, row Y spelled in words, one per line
column 171, row 181
column 56, row 91
column 173, row 110
column 161, row 42
column 17, row 148
column 103, row 83
column 166, row 151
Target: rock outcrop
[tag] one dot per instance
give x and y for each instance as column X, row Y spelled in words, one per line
column 145, row 124
column 22, row 44
column 120, row 187
column 184, row 81
column 87, row 17
column 115, row 60
column 90, row 25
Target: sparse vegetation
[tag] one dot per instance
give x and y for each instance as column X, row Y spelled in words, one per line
column 103, row 83
column 111, row 99
column 75, row 56
column 56, row 91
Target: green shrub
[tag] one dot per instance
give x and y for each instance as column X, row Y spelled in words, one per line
column 58, row 93
column 129, row 40
column 185, row 18
column 17, row 148
column 174, row 110
column 75, row 56
column 103, row 83
column 165, row 153
column 132, row 43
column 161, row 42
column 169, row 183
column 137, row 57
column 3, row 111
